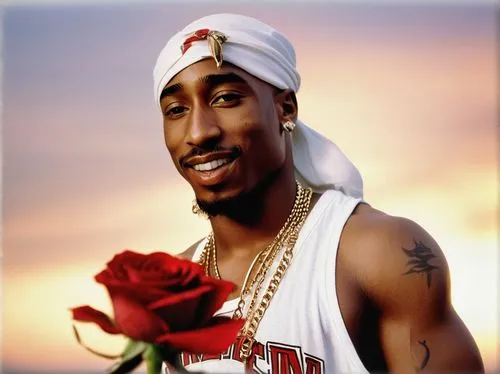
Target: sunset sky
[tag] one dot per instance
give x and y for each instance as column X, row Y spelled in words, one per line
column 407, row 90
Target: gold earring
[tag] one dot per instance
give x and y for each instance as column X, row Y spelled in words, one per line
column 288, row 126
column 197, row 210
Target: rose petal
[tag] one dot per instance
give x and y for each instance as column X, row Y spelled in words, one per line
column 104, row 276
column 193, row 274
column 160, row 259
column 150, row 267
column 89, row 314
column 127, row 257
column 212, row 339
column 107, row 279
column 180, row 316
column 214, row 300
column 157, row 269
column 179, row 297
column 134, row 319
column 183, row 269
column 142, row 294
column 156, row 278
column 180, row 311
column 189, row 266
column 170, row 264
column 133, row 275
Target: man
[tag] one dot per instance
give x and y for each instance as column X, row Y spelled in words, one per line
column 326, row 282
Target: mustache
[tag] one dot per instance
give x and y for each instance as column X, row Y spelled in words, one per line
column 197, row 151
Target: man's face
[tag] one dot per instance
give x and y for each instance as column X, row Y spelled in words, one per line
column 222, row 129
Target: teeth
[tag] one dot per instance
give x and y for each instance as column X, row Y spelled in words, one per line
column 207, row 166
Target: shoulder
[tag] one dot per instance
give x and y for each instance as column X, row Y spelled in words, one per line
column 394, row 260
column 382, row 232
column 189, row 252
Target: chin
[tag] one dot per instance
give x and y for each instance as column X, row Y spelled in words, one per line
column 220, row 206
column 221, row 201
column 235, row 200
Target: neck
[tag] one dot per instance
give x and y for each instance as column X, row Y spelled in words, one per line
column 257, row 219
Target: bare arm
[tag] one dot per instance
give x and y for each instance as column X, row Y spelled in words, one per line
column 406, row 276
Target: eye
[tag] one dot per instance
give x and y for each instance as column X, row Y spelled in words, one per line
column 227, row 99
column 174, row 111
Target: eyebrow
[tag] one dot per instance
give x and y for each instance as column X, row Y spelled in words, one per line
column 209, row 80
column 171, row 90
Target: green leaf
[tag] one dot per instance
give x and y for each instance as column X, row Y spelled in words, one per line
column 130, row 358
column 124, row 367
column 153, row 359
column 132, row 349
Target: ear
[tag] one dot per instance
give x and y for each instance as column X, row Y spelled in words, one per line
column 286, row 105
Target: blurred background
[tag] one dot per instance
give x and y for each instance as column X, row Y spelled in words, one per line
column 407, row 89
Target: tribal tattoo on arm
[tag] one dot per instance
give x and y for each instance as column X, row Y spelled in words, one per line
column 418, row 262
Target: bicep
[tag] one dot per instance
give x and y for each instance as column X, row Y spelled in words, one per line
column 419, row 329
column 442, row 346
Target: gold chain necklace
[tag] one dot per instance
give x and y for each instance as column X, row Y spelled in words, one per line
column 209, row 254
column 286, row 239
column 293, row 219
column 255, row 316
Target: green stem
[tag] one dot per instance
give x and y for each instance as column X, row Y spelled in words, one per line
column 153, row 360
column 152, row 367
column 179, row 368
column 172, row 357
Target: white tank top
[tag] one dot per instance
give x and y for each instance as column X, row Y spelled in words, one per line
column 302, row 331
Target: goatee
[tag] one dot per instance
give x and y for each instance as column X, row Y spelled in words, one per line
column 247, row 206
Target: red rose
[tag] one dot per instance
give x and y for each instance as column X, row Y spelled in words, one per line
column 161, row 299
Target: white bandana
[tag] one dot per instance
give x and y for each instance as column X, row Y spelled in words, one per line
column 266, row 54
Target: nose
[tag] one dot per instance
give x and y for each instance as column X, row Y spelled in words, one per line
column 203, row 130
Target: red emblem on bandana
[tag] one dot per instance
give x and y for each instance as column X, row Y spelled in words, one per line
column 194, row 37
column 215, row 41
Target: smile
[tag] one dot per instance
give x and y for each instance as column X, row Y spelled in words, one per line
column 212, row 173
column 211, row 165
